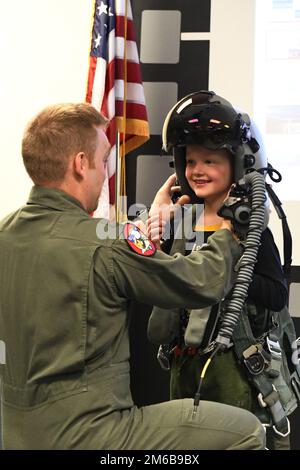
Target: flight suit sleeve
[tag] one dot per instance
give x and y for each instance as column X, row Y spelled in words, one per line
column 200, row 279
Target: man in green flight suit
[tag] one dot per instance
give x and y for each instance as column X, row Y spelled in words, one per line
column 65, row 289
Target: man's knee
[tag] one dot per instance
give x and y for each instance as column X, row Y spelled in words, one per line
column 252, row 432
column 223, row 427
column 257, row 439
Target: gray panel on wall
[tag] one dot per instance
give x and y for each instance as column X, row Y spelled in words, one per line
column 151, row 172
column 160, row 97
column 294, row 301
column 160, row 36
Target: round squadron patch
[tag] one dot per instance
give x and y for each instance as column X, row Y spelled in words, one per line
column 138, row 241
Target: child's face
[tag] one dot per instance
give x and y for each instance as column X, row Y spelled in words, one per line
column 208, row 172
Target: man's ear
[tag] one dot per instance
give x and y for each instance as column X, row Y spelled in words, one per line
column 80, row 163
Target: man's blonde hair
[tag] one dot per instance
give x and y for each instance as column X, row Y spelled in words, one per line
column 55, row 134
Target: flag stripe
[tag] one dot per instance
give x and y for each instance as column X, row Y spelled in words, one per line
column 131, row 50
column 134, row 92
column 121, row 8
column 99, row 83
column 133, row 71
column 120, row 27
column 91, row 77
column 117, row 66
column 132, row 109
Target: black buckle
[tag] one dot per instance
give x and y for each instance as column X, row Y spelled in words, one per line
column 296, row 385
column 255, row 363
column 163, row 356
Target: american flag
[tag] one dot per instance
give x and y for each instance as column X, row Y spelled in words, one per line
column 115, row 85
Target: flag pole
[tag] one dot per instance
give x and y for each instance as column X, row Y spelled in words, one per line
column 118, row 177
column 121, row 209
column 123, row 153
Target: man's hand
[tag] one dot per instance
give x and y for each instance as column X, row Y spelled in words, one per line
column 155, row 228
column 163, row 203
column 141, row 225
column 163, row 209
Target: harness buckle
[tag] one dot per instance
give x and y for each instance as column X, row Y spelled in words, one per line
column 295, row 383
column 254, row 359
column 163, row 356
column 283, row 434
column 262, row 402
column 274, row 348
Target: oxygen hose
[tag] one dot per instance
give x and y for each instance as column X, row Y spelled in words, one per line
column 246, row 263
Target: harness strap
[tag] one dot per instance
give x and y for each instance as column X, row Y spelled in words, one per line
column 256, row 359
column 287, row 237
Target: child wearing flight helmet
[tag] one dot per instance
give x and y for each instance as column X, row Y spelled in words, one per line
column 212, row 144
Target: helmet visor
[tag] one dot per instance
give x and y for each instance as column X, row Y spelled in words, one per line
column 212, row 125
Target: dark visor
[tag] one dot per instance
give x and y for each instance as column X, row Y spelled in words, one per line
column 213, row 125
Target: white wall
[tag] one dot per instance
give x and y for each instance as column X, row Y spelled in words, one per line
column 44, row 49
column 232, row 51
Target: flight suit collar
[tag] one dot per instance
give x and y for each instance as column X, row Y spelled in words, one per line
column 54, row 198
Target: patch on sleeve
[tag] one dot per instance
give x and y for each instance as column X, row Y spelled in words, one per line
column 138, row 241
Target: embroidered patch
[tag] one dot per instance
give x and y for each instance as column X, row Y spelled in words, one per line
column 138, row 241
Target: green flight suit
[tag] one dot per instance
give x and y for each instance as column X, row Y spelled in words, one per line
column 64, row 321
